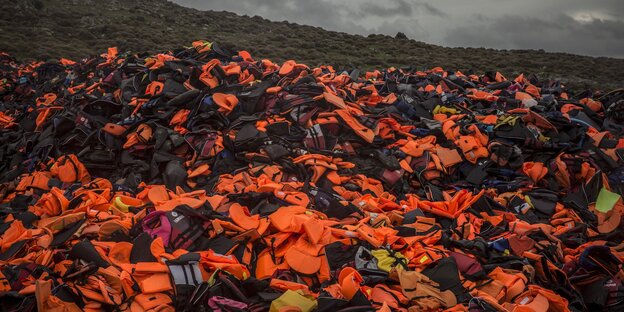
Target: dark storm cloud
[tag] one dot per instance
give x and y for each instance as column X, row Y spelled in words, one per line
column 395, row 8
column 575, row 26
column 428, row 8
column 561, row 33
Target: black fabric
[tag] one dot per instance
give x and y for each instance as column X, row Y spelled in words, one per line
column 62, row 236
column 339, row 254
column 446, row 274
column 141, row 251
column 84, row 250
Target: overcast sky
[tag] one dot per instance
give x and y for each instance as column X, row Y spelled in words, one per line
column 588, row 27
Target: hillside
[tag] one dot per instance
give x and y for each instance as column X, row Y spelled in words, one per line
column 75, row 28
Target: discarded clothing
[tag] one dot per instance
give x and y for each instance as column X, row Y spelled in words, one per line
column 205, row 178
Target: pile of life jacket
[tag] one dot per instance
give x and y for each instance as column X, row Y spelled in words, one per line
column 203, row 179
